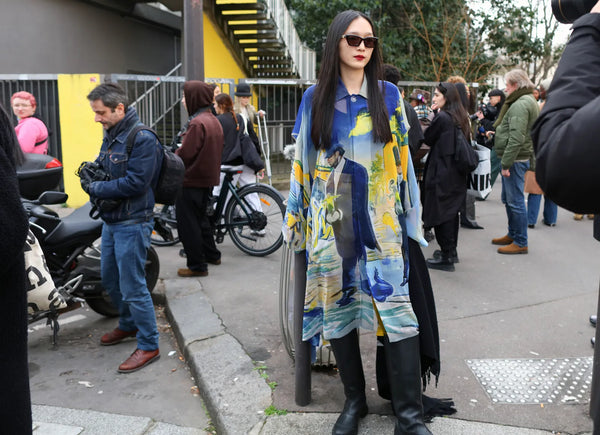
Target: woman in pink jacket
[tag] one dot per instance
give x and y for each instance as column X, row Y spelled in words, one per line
column 31, row 131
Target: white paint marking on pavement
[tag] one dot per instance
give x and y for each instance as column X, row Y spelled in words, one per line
column 75, row 318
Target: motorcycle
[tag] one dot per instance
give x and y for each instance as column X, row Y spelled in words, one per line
column 71, row 247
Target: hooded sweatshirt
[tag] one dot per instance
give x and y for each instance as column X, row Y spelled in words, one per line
column 202, row 142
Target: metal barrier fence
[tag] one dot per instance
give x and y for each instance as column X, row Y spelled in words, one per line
column 280, row 99
column 157, row 99
column 44, row 88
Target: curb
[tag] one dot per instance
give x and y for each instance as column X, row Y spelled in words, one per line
column 232, row 389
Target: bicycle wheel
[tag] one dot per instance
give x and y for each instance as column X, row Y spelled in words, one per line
column 164, row 232
column 256, row 233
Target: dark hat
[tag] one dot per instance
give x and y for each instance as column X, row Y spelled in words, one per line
column 420, row 95
column 496, row 93
column 243, row 90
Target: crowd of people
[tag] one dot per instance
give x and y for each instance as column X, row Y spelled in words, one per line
column 371, row 171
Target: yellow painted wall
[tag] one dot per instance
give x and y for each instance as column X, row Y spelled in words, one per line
column 81, row 137
column 218, row 61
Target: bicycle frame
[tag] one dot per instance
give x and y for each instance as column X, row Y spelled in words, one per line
column 229, row 188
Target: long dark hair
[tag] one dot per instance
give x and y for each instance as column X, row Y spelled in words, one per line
column 454, row 107
column 329, row 75
column 8, row 140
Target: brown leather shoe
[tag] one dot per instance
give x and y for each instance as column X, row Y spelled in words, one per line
column 116, row 336
column 138, row 359
column 504, row 240
column 215, row 262
column 186, row 273
column 513, row 248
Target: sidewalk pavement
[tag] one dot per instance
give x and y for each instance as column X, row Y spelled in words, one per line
column 236, row 395
column 537, row 313
column 233, row 390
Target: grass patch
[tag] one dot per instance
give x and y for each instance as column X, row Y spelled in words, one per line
column 271, row 410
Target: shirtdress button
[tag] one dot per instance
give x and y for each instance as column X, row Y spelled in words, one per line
column 353, row 99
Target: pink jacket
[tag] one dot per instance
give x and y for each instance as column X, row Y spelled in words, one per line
column 31, row 131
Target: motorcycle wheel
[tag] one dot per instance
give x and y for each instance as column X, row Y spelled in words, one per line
column 103, row 305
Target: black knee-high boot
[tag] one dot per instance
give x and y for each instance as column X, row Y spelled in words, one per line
column 347, row 356
column 383, row 385
column 404, row 377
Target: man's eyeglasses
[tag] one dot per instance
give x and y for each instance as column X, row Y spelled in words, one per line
column 355, row 40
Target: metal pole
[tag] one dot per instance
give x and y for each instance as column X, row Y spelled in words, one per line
column 302, row 348
column 193, row 40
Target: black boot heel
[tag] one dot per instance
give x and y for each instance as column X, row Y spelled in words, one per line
column 347, row 356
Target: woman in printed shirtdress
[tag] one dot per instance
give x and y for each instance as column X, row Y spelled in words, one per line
column 353, row 205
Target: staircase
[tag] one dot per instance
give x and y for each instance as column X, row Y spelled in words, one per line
column 263, row 36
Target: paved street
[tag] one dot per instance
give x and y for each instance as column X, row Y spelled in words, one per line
column 516, row 355
column 81, row 374
column 531, row 307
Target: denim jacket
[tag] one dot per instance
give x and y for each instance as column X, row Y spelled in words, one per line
column 133, row 176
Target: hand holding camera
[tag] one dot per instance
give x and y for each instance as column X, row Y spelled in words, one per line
column 88, row 172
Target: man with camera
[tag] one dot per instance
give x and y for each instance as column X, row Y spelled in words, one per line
column 566, row 135
column 125, row 202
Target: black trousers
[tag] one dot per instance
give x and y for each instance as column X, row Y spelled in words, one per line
column 467, row 211
column 194, row 228
column 446, row 234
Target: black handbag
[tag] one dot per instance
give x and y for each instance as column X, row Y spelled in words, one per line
column 465, row 157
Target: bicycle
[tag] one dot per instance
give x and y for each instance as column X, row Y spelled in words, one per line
column 252, row 216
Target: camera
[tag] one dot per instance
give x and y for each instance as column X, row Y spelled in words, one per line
column 90, row 172
column 485, row 110
column 567, row 11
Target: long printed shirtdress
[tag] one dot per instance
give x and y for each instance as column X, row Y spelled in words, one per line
column 353, row 220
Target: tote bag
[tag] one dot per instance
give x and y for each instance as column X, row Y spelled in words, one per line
column 42, row 294
column 480, row 183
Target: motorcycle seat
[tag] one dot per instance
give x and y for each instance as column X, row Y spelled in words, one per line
column 77, row 225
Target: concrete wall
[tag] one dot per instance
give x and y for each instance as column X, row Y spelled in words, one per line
column 70, row 36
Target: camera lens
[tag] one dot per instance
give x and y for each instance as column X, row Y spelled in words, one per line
column 567, row 11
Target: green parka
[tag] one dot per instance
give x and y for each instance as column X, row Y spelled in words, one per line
column 513, row 134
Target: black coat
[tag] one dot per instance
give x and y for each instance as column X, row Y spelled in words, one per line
column 15, row 411
column 444, row 187
column 566, row 133
column 565, row 138
column 415, row 134
column 232, row 149
column 239, row 148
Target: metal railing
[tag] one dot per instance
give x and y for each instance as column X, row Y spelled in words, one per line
column 280, row 99
column 157, row 99
column 303, row 58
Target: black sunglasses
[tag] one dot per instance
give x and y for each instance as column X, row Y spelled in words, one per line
column 355, row 40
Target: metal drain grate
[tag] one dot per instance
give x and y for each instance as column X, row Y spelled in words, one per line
column 530, row 381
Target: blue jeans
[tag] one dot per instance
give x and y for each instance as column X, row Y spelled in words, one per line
column 533, row 209
column 124, row 248
column 513, row 199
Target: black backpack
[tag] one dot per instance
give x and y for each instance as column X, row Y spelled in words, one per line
column 171, row 174
column 465, row 156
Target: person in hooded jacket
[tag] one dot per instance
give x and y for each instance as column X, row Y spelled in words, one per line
column 201, row 149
